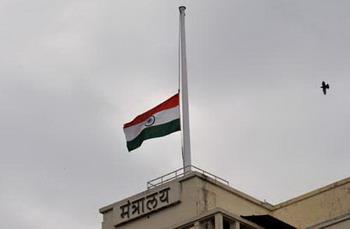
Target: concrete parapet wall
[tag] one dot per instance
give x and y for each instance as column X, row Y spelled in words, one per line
column 199, row 194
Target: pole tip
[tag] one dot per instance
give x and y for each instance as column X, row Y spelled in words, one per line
column 182, row 8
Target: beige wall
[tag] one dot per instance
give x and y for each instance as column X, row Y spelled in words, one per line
column 165, row 217
column 317, row 206
column 212, row 196
column 200, row 194
column 339, row 225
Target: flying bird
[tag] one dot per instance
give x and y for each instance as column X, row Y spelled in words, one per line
column 324, row 87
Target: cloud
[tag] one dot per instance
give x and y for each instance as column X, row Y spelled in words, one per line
column 74, row 71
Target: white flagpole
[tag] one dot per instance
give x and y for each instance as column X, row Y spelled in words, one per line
column 185, row 123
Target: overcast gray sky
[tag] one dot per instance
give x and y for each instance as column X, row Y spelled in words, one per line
column 72, row 72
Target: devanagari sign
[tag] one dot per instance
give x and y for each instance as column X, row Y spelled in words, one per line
column 146, row 202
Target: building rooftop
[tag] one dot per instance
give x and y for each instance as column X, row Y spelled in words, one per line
column 188, row 197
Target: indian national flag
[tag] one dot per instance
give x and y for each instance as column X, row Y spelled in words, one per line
column 161, row 120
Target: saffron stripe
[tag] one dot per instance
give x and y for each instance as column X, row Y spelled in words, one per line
column 154, row 132
column 160, row 118
column 169, row 103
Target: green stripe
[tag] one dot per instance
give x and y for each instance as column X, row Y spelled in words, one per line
column 154, row 132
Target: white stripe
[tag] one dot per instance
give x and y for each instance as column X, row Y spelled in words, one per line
column 161, row 117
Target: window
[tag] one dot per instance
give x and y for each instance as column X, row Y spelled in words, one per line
column 188, row 227
column 207, row 224
column 244, row 226
column 226, row 224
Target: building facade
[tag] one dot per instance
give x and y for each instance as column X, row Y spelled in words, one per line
column 200, row 200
